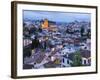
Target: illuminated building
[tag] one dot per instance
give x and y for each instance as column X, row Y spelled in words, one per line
column 45, row 24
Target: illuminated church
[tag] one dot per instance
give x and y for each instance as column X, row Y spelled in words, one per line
column 45, row 24
column 49, row 25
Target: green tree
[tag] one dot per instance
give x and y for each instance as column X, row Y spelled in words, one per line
column 77, row 59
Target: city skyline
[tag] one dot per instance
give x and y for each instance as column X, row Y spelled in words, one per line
column 56, row 16
column 48, row 43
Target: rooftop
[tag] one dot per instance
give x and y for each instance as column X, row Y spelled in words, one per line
column 85, row 53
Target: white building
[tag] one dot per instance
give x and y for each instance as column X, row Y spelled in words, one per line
column 86, row 57
column 65, row 61
column 67, row 50
column 86, row 61
column 87, row 45
column 26, row 42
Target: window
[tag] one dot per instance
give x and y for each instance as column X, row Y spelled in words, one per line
column 84, row 61
column 67, row 61
column 63, row 60
column 85, row 48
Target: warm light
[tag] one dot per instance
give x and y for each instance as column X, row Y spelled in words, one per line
column 52, row 49
column 45, row 24
column 52, row 58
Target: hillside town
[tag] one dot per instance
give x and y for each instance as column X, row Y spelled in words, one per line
column 50, row 44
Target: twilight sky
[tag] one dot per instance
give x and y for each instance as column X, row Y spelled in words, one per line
column 56, row 16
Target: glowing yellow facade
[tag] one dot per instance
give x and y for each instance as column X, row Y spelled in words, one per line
column 45, row 24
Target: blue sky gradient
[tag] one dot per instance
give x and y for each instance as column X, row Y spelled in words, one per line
column 56, row 16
